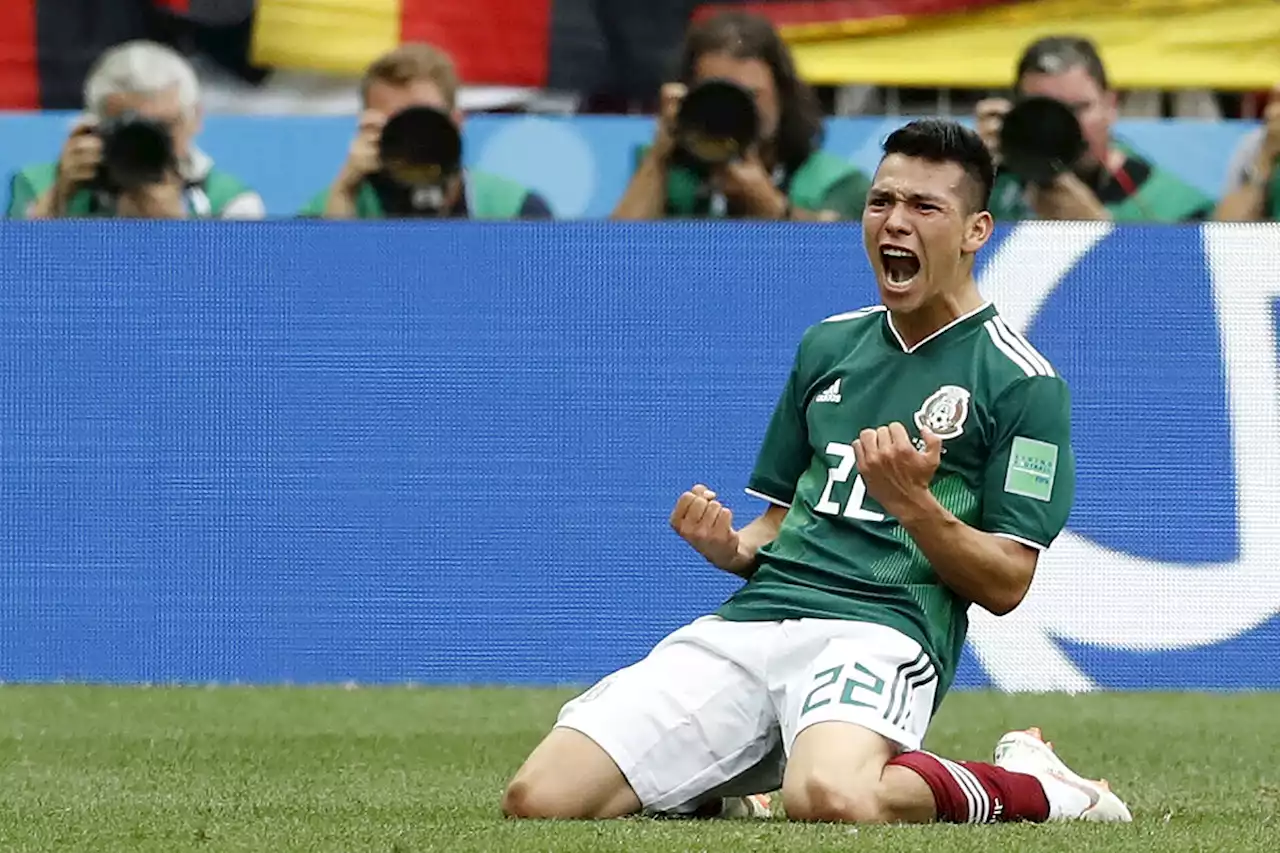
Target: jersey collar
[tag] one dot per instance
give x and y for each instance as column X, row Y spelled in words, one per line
column 977, row 316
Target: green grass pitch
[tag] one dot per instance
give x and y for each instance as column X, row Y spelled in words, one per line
column 108, row 769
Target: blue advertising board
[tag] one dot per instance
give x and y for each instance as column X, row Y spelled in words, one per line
column 445, row 452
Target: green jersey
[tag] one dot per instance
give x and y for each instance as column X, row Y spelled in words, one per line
column 1007, row 467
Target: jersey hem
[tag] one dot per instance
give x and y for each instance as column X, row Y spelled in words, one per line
column 737, row 611
column 755, row 493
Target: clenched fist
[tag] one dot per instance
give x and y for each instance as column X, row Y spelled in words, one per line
column 80, row 158
column 363, row 158
column 707, row 525
column 896, row 473
column 990, row 113
column 669, row 100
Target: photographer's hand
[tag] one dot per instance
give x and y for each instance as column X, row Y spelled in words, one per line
column 1067, row 198
column 362, row 161
column 669, row 101
column 990, row 113
column 748, row 182
column 77, row 165
column 1271, row 140
column 645, row 197
column 1248, row 201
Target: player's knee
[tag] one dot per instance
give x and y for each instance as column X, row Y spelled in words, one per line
column 822, row 798
column 526, row 798
column 568, row 776
column 545, row 795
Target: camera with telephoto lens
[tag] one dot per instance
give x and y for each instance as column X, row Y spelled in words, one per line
column 717, row 124
column 1040, row 139
column 421, row 153
column 136, row 152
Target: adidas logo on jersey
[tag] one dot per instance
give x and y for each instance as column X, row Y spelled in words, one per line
column 831, row 395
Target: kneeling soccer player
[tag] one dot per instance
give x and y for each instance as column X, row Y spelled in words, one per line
column 919, row 460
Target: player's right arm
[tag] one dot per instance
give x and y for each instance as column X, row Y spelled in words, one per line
column 784, row 455
column 707, row 525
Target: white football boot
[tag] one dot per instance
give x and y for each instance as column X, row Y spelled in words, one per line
column 1070, row 796
column 758, row 806
column 754, row 806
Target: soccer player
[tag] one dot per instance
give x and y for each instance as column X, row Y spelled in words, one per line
column 918, row 462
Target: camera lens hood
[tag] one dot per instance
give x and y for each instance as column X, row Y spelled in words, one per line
column 717, row 122
column 420, row 147
column 1040, row 138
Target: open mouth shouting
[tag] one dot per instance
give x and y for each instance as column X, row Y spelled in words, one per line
column 900, row 266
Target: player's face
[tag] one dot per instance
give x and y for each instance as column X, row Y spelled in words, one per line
column 754, row 75
column 1094, row 108
column 919, row 231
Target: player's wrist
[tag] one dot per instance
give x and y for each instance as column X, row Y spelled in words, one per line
column 739, row 562
column 349, row 180
column 919, row 510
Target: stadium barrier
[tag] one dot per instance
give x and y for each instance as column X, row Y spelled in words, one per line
column 305, row 451
column 580, row 164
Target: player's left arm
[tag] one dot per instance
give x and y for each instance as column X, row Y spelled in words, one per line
column 1029, row 484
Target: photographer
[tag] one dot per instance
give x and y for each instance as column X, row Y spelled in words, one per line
column 133, row 154
column 1058, row 159
column 738, row 136
column 1253, row 181
column 406, row 158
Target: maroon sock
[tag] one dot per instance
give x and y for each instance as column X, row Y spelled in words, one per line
column 972, row 792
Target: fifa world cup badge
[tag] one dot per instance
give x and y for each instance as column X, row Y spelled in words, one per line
column 944, row 411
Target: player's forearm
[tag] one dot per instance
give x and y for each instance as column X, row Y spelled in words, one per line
column 751, row 539
column 50, row 204
column 341, row 201
column 988, row 570
column 1248, row 202
column 646, row 195
column 1245, row 204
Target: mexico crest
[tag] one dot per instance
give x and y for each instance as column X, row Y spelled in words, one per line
column 944, row 411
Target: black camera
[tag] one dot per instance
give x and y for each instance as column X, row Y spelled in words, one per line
column 136, row 152
column 717, row 124
column 421, row 152
column 1041, row 139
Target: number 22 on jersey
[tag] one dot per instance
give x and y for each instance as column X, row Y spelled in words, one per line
column 840, row 474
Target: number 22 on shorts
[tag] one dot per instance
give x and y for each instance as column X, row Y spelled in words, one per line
column 866, row 684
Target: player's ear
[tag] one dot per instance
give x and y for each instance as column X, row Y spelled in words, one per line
column 978, row 229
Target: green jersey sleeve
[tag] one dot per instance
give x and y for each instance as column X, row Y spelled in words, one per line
column 1030, row 478
column 784, row 454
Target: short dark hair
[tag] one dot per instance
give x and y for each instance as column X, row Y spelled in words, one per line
column 746, row 36
column 1056, row 54
column 944, row 141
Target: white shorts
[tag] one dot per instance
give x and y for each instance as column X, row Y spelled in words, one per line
column 714, row 708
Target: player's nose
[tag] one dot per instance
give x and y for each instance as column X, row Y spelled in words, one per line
column 898, row 222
